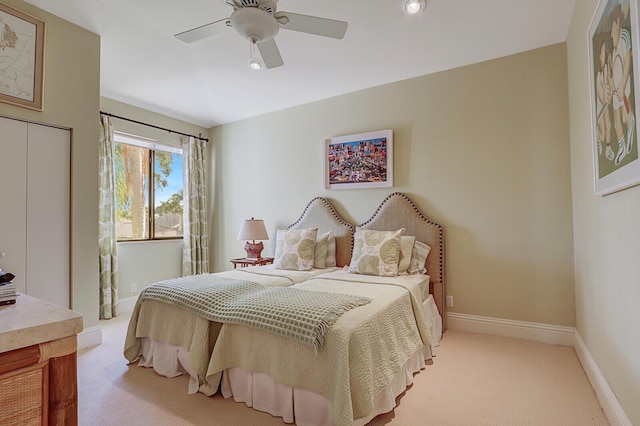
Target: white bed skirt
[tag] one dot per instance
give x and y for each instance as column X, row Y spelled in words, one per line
column 259, row 391
column 262, row 393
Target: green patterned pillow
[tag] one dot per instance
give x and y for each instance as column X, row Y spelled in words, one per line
column 330, row 260
column 406, row 248
column 376, row 252
column 419, row 258
column 295, row 249
column 320, row 252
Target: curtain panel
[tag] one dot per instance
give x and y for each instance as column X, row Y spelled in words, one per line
column 195, row 255
column 107, row 240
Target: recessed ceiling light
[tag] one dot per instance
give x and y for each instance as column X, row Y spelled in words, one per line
column 413, row 6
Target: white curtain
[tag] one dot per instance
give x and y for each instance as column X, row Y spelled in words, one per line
column 195, row 255
column 107, row 240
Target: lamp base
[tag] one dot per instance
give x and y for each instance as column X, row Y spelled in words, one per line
column 254, row 250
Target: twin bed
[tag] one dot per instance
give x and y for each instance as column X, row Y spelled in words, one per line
column 367, row 352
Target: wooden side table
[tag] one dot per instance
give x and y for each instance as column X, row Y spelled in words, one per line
column 38, row 363
column 244, row 262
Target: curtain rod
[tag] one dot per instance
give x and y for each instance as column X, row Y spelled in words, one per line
column 155, row 127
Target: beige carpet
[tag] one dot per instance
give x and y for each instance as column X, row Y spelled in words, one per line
column 474, row 380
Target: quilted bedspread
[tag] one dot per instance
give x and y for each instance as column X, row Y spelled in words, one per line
column 364, row 349
column 177, row 326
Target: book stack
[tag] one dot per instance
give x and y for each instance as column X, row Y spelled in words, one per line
column 7, row 288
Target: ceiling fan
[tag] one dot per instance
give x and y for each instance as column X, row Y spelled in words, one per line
column 259, row 21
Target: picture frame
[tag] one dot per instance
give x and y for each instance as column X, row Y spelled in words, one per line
column 614, row 84
column 363, row 160
column 21, row 58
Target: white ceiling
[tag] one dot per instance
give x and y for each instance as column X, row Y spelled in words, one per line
column 209, row 83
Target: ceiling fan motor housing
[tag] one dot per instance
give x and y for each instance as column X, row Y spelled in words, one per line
column 268, row 6
column 254, row 24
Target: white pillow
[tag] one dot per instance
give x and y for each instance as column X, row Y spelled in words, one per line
column 331, row 251
column 295, row 249
column 419, row 258
column 376, row 252
column 406, row 249
column 320, row 252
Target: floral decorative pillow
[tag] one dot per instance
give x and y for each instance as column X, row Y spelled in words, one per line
column 406, row 249
column 376, row 252
column 320, row 252
column 419, row 258
column 295, row 249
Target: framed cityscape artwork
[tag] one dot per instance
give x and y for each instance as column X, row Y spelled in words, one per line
column 364, row 160
column 613, row 61
column 21, row 58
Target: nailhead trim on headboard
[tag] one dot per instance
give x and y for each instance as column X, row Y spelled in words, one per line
column 335, row 215
column 423, row 217
column 330, row 206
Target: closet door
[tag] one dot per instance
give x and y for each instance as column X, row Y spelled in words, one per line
column 48, row 214
column 13, row 187
column 35, row 208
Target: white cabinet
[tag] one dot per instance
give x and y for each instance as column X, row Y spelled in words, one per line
column 35, row 163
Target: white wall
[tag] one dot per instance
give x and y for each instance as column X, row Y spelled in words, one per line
column 606, row 241
column 482, row 149
column 146, row 262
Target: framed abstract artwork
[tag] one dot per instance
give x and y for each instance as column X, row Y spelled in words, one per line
column 364, row 160
column 21, row 58
column 613, row 66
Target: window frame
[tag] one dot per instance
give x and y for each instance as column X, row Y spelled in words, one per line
column 153, row 146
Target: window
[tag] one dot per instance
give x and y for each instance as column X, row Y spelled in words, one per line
column 147, row 209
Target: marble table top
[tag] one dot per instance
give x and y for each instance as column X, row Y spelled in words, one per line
column 31, row 321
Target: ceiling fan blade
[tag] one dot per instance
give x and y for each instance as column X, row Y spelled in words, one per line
column 203, row 31
column 313, row 24
column 270, row 54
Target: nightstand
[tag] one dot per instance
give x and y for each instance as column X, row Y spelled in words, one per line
column 243, row 262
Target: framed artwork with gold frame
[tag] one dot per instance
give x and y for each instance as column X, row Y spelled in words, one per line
column 21, row 58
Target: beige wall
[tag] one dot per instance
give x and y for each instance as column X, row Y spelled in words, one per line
column 482, row 149
column 71, row 99
column 144, row 263
column 607, row 241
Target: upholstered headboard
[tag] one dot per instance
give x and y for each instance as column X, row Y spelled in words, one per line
column 399, row 211
column 321, row 214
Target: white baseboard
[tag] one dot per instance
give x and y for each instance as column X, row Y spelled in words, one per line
column 89, row 337
column 127, row 304
column 555, row 335
column 537, row 332
column 610, row 404
column 92, row 336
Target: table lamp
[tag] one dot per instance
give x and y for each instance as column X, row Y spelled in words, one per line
column 253, row 229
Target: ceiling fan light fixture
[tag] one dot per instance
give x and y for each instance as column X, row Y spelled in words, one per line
column 255, row 63
column 413, row 6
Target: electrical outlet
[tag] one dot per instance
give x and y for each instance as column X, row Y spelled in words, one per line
column 450, row 301
column 134, row 288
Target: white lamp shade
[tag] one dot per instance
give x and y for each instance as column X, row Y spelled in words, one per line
column 252, row 229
